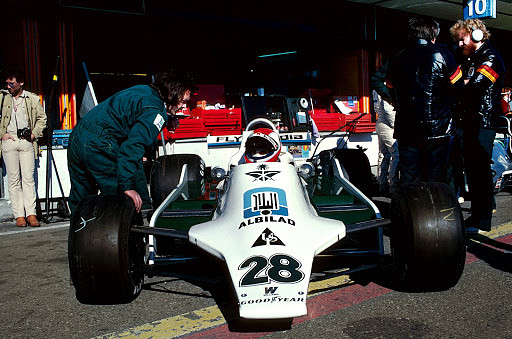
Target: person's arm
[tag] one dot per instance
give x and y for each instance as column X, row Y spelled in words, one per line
column 485, row 74
column 137, row 200
column 39, row 118
column 3, row 123
column 378, row 83
column 454, row 74
column 389, row 83
column 143, row 134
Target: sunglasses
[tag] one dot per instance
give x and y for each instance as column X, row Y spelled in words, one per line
column 10, row 84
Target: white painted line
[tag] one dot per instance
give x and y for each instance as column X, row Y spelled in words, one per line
column 34, row 229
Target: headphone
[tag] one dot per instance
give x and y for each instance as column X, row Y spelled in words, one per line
column 477, row 35
column 437, row 28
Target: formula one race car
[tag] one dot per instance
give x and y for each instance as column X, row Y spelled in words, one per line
column 266, row 219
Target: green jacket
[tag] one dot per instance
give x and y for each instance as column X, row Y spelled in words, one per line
column 36, row 116
column 133, row 118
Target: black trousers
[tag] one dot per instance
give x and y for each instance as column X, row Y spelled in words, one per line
column 477, row 149
column 423, row 163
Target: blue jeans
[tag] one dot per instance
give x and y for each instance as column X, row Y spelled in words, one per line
column 388, row 159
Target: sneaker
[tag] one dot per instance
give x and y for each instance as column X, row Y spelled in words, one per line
column 461, row 200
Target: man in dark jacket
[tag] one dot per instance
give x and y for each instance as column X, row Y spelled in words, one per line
column 483, row 71
column 107, row 145
column 422, row 78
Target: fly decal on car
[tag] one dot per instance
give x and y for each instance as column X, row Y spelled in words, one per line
column 267, row 238
column 265, row 201
column 280, row 268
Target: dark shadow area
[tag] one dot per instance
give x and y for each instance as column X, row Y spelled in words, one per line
column 268, row 325
column 385, row 275
column 211, row 275
column 158, row 286
column 495, row 253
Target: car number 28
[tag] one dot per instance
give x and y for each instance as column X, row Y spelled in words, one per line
column 280, row 268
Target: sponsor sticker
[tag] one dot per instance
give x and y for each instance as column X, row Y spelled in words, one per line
column 271, row 290
column 265, row 201
column 267, row 237
column 159, row 122
column 262, row 174
column 267, row 218
column 272, row 300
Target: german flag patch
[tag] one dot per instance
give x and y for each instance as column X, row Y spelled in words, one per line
column 456, row 75
column 488, row 72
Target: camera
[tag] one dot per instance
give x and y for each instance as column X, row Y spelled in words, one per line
column 25, row 133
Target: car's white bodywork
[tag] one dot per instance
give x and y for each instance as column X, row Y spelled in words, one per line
column 267, row 232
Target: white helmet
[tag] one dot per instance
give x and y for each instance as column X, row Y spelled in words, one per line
column 263, row 145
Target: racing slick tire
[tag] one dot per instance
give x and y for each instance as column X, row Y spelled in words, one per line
column 354, row 162
column 165, row 176
column 427, row 237
column 105, row 259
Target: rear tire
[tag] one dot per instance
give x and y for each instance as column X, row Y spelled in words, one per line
column 427, row 237
column 105, row 259
column 356, row 165
column 166, row 172
column 165, row 176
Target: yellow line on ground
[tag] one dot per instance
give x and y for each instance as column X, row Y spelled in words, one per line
column 211, row 316
column 174, row 326
column 499, row 231
column 202, row 319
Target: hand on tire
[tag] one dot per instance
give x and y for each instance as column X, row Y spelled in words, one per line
column 136, row 199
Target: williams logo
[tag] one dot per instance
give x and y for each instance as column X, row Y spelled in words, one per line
column 265, row 201
column 263, row 174
column 267, row 238
column 270, row 291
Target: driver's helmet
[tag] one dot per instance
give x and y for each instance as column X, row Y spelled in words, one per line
column 263, row 145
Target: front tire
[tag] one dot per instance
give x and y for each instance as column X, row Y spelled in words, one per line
column 427, row 237
column 105, row 259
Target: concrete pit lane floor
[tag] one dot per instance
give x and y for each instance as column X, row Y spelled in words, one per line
column 37, row 300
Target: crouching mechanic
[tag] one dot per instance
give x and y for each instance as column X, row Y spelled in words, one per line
column 107, row 145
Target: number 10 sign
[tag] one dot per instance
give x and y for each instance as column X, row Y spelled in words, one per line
column 479, row 9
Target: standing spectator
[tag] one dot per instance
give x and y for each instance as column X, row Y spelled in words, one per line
column 480, row 107
column 107, row 145
column 388, row 147
column 23, row 121
column 422, row 77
